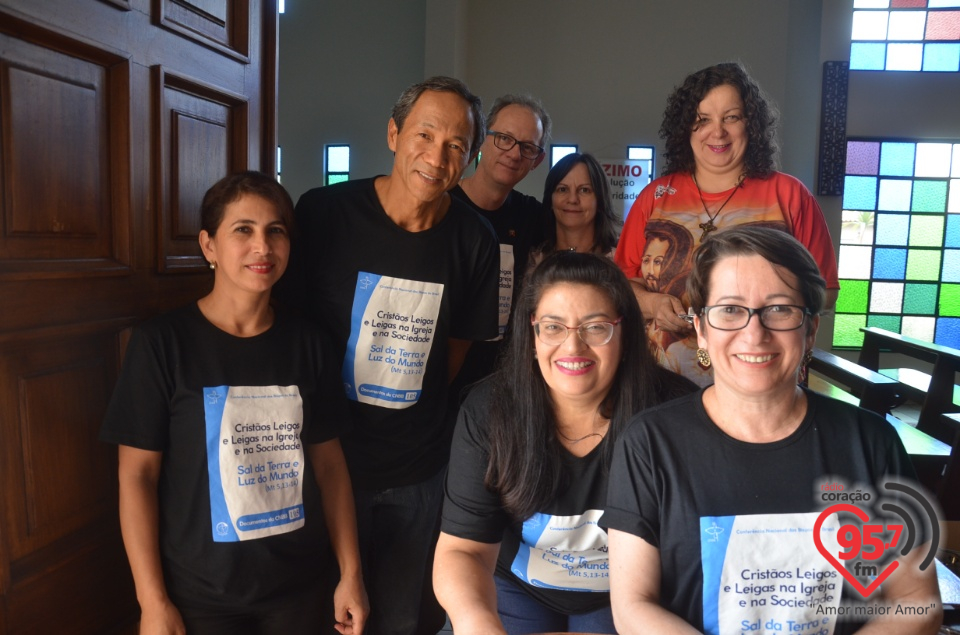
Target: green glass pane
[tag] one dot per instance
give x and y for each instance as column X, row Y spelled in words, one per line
column 920, row 299
column 337, row 178
column 853, row 296
column 888, row 322
column 926, row 231
column 846, row 330
column 923, row 265
column 929, row 196
column 950, row 300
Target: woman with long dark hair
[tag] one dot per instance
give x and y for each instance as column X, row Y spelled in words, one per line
column 528, row 468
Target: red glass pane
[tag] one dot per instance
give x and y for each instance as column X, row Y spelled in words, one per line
column 943, row 25
column 908, row 4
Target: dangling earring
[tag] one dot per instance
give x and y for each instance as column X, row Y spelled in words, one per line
column 213, row 265
column 803, row 366
column 703, row 358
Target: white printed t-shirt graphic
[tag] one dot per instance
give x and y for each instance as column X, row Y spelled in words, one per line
column 508, row 280
column 254, row 460
column 392, row 328
column 763, row 574
column 564, row 552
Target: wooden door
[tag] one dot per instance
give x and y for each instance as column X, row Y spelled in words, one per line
column 115, row 116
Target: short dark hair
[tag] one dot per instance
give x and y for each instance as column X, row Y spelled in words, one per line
column 530, row 103
column 525, row 466
column 773, row 245
column 230, row 188
column 680, row 115
column 606, row 224
column 442, row 84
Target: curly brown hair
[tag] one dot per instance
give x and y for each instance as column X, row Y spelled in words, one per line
column 681, row 114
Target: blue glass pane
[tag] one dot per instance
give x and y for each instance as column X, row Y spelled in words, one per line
column 896, row 159
column 948, row 332
column 895, row 195
column 890, row 264
column 867, row 57
column 860, row 192
column 952, row 239
column 941, row 57
column 892, row 229
column 951, row 265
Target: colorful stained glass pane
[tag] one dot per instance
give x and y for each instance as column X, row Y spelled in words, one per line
column 951, row 265
column 895, row 195
column 926, row 231
column 929, row 196
column 860, row 192
column 869, row 25
column 941, row 58
column 890, row 264
column 950, row 300
column 854, row 262
column 904, row 57
column 888, row 322
column 868, row 57
column 856, row 228
column 863, row 157
column 943, row 25
column 871, row 4
column 923, row 264
column 919, row 327
column 907, row 4
column 853, row 296
column 906, row 25
column 920, row 298
column 896, row 158
column 892, row 229
column 886, row 297
column 933, row 160
column 947, row 4
column 952, row 239
column 948, row 332
column 846, row 330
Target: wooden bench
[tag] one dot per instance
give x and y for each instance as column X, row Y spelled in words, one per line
column 948, row 491
column 936, row 392
column 863, row 387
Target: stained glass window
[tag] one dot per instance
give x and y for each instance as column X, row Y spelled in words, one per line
column 900, row 241
column 905, row 35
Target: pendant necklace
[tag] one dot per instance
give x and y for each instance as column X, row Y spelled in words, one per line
column 708, row 226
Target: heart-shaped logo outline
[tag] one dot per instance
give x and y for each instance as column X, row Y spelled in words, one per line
column 862, row 515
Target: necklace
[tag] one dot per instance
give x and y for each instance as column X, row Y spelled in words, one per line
column 584, row 437
column 708, row 226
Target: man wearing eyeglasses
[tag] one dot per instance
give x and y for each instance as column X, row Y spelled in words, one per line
column 518, row 130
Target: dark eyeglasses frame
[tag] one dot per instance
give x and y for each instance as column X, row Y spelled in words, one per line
column 526, row 147
column 759, row 313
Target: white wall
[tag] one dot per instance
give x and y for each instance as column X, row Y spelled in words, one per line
column 342, row 65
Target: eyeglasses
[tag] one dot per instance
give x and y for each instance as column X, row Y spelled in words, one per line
column 506, row 142
column 776, row 317
column 591, row 333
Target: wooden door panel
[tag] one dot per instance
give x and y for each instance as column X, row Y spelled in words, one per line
column 62, row 130
column 203, row 135
column 115, row 117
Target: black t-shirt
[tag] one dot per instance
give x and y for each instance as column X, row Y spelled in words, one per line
column 390, row 299
column 241, row 522
column 702, row 497
column 519, row 225
column 558, row 555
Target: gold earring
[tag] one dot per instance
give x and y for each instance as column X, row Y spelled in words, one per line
column 703, row 358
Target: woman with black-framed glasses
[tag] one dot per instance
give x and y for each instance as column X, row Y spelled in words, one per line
column 715, row 498
column 520, row 549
